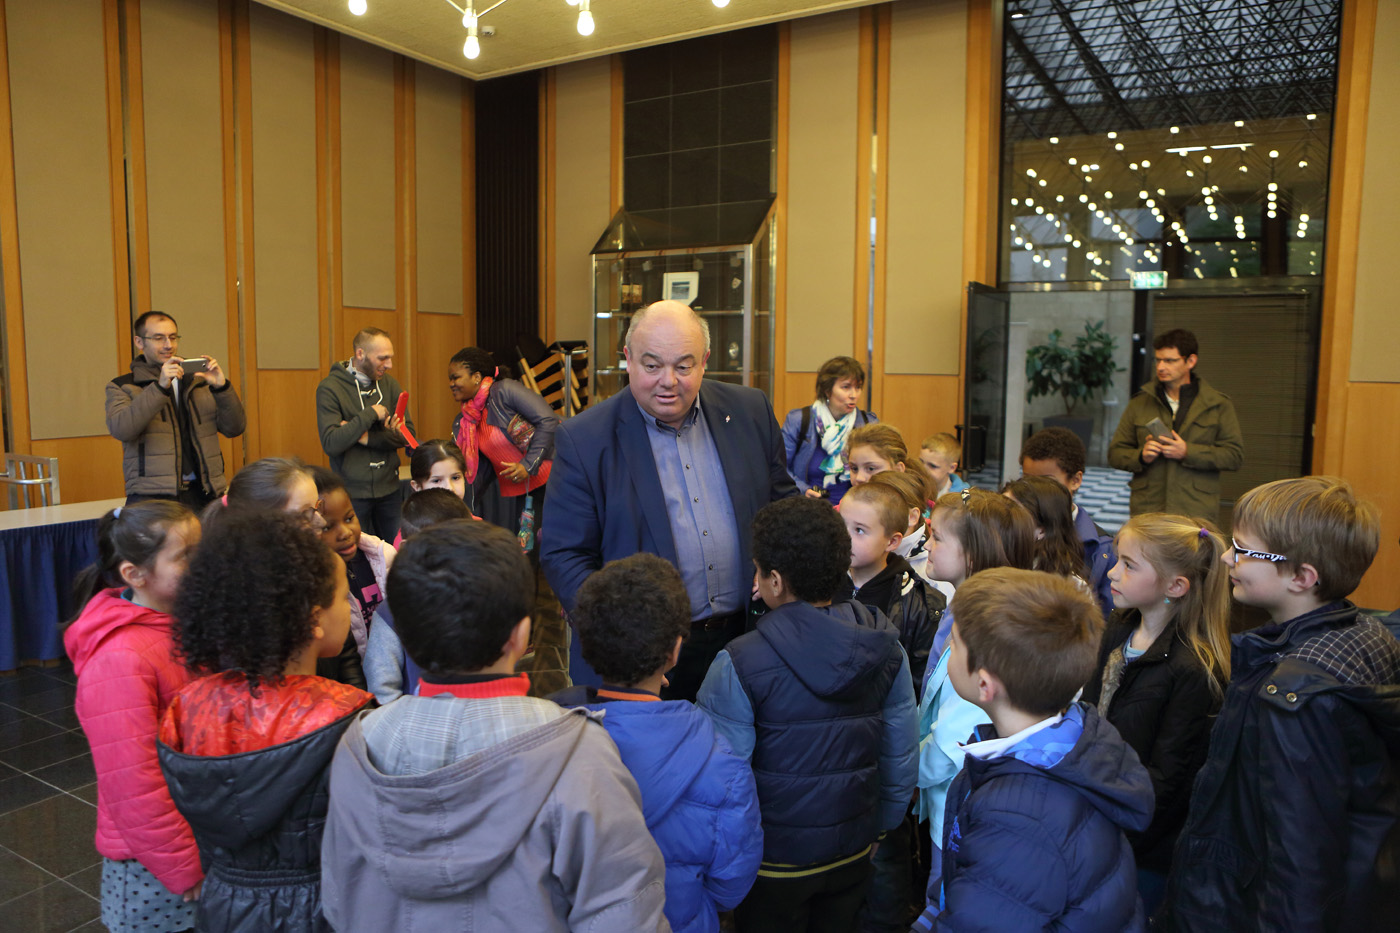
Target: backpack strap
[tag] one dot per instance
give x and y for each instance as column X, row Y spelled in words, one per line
column 806, row 424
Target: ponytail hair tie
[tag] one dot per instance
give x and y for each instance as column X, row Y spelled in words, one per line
column 117, row 513
column 224, row 500
column 1203, row 532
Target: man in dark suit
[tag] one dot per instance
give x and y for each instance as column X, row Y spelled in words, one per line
column 671, row 465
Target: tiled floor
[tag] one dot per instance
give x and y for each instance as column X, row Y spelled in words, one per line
column 50, row 874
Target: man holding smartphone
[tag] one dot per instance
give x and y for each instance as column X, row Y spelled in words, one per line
column 1176, row 435
column 168, row 412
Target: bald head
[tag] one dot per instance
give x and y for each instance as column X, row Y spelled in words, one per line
column 667, row 346
column 671, row 317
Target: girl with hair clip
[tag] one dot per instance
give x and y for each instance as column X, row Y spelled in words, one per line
column 123, row 653
column 437, row 464
column 505, row 433
column 272, row 484
column 1058, row 549
column 246, row 748
column 1164, row 662
column 971, row 531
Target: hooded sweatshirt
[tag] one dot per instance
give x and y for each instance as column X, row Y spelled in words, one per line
column 505, row 813
column 370, row 470
column 124, row 656
column 1034, row 838
column 821, row 702
column 698, row 799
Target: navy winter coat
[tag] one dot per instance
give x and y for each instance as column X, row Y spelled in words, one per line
column 698, row 799
column 1027, row 847
column 1295, row 818
column 821, row 702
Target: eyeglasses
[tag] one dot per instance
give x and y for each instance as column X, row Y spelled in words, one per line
column 170, row 339
column 312, row 517
column 1257, row 555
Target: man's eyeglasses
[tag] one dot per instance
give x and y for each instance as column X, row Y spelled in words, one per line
column 170, row 339
column 1257, row 555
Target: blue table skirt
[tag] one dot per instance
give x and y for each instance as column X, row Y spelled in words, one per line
column 37, row 569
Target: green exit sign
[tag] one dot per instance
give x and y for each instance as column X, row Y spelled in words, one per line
column 1153, row 278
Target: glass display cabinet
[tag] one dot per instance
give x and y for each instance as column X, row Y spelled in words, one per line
column 728, row 279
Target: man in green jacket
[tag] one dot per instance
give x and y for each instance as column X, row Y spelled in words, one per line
column 355, row 417
column 1178, row 471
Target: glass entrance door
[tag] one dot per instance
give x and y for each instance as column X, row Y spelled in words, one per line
column 984, row 384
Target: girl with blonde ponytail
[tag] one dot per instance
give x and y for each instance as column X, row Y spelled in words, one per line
column 1163, row 665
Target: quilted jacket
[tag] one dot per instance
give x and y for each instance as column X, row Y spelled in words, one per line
column 250, row 772
column 127, row 675
column 698, row 798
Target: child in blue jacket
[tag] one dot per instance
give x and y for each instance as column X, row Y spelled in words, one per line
column 1034, row 832
column 820, row 700
column 698, row 798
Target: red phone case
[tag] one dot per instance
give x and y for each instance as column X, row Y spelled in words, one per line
column 402, row 406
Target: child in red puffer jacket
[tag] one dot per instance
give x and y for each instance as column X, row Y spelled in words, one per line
column 123, row 652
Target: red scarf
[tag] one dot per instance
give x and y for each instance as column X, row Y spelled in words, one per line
column 472, row 414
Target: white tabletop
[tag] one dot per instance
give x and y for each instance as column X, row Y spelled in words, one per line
column 57, row 514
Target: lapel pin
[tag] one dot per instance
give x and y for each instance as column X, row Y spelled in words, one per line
column 726, row 419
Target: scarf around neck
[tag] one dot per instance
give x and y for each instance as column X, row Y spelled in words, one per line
column 472, row 411
column 833, row 442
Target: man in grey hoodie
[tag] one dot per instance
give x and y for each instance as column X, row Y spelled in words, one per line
column 360, row 433
column 472, row 806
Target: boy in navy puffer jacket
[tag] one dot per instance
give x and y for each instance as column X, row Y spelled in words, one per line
column 1033, row 835
column 820, row 701
column 698, row 798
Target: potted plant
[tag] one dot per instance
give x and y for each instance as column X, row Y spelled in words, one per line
column 1075, row 372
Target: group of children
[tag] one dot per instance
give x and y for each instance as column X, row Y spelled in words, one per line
column 932, row 693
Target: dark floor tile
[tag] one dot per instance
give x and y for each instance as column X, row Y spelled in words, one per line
column 92, row 926
column 46, row 751
column 66, row 775
column 18, row 876
column 22, row 790
column 23, row 731
column 87, row 792
column 62, row 672
column 66, row 718
column 89, row 880
column 9, row 714
column 22, row 682
column 54, row 908
column 57, row 696
column 55, row 834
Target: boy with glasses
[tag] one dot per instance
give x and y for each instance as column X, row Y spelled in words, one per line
column 1294, row 821
column 169, row 421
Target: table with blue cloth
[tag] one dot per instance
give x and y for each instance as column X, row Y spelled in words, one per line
column 41, row 552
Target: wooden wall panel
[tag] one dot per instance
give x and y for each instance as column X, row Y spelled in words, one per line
column 1376, row 330
column 438, row 185
column 1369, row 456
column 798, row 389
column 284, row 191
column 438, row 337
column 920, row 405
column 822, row 181
column 582, row 206
column 287, row 427
column 180, row 92
column 70, row 281
column 89, row 468
column 923, row 234
column 367, row 175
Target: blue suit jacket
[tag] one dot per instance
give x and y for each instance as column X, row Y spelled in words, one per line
column 605, row 500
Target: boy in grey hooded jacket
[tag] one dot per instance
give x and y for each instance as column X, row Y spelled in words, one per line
column 473, row 806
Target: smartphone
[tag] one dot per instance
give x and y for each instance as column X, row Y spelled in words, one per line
column 1158, row 429
column 402, row 406
column 194, row 364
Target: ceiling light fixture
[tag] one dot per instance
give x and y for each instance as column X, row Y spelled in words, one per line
column 720, row 3
column 585, row 19
column 359, row 7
